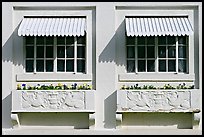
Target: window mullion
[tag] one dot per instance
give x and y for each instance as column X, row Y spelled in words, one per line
column 65, row 56
column 156, row 54
column 44, row 45
column 35, row 53
column 177, row 54
column 75, row 54
column 55, row 54
column 145, row 54
column 136, row 65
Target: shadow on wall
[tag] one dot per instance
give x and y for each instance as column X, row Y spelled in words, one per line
column 110, row 54
column 6, row 112
column 110, row 110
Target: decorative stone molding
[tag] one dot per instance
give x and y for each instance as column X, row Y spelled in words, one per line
column 158, row 100
column 52, row 100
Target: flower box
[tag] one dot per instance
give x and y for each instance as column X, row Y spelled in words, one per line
column 166, row 100
column 53, row 100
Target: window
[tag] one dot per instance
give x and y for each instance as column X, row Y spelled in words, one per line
column 157, row 54
column 66, row 54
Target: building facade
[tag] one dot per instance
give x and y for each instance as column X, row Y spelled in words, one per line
column 102, row 65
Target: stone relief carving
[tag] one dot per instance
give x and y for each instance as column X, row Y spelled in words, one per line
column 53, row 100
column 158, row 100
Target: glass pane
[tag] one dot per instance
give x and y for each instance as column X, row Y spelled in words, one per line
column 162, row 51
column 171, row 65
column 130, row 66
column 130, row 52
column 162, row 40
column 182, row 40
column 182, row 52
column 150, row 65
column 140, row 40
column 69, row 40
column 150, row 52
column 181, row 65
column 150, row 40
column 60, row 40
column 141, row 51
column 80, row 51
column 29, row 51
column 60, row 65
column 29, row 40
column 49, row 51
column 40, row 51
column 130, row 40
column 70, row 51
column 171, row 40
column 70, row 65
column 40, row 40
column 81, row 40
column 49, row 65
column 171, row 51
column 60, row 51
column 81, row 66
column 29, row 65
column 49, row 40
column 141, row 66
column 162, row 65
column 40, row 65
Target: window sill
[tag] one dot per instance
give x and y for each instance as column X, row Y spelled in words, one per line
column 53, row 77
column 156, row 77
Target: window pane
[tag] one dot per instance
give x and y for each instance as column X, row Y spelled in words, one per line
column 182, row 52
column 60, row 51
column 182, row 40
column 69, row 40
column 29, row 40
column 70, row 65
column 40, row 40
column 130, row 52
column 181, row 65
column 60, row 40
column 40, row 51
column 29, row 51
column 130, row 40
column 141, row 51
column 162, row 65
column 140, row 40
column 150, row 40
column 171, row 40
column 49, row 40
column 49, row 65
column 80, row 65
column 49, row 51
column 130, row 66
column 150, row 65
column 171, row 51
column 150, row 52
column 162, row 51
column 40, row 65
column 70, row 51
column 60, row 65
column 29, row 65
column 171, row 65
column 162, row 40
column 141, row 66
column 81, row 40
column 80, row 51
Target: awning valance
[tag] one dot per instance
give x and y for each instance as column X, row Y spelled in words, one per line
column 158, row 26
column 52, row 27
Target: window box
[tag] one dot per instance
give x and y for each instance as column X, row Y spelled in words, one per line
column 53, row 101
column 158, row 100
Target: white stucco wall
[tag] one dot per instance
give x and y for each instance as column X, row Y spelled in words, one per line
column 106, row 61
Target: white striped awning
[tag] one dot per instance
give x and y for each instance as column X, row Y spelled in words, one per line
column 52, row 27
column 158, row 26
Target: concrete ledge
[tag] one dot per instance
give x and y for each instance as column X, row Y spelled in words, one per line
column 64, row 131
